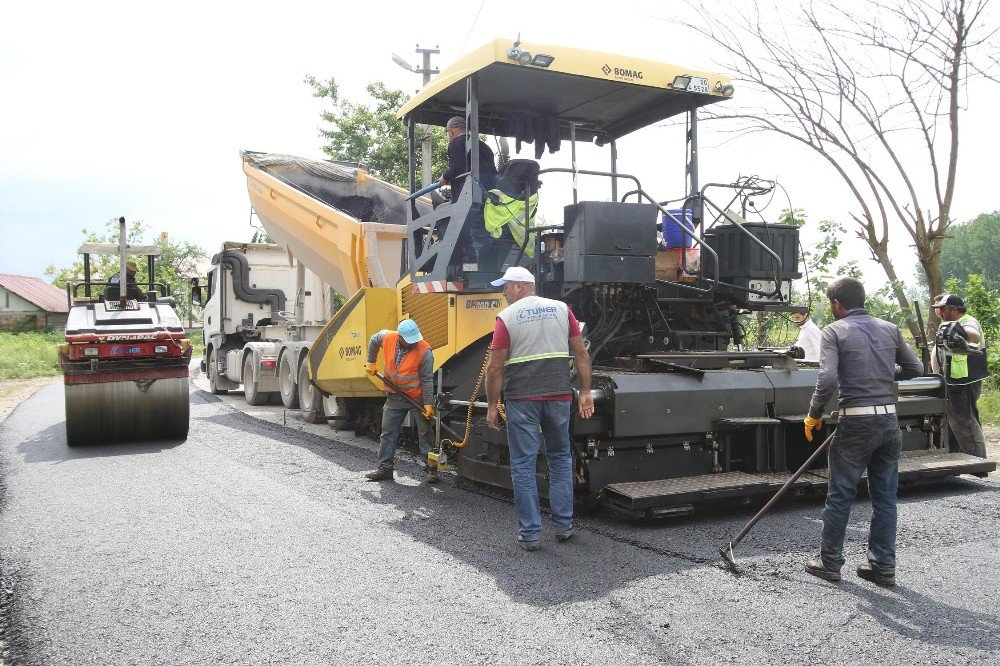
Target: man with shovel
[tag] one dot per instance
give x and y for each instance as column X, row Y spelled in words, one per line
column 409, row 368
column 863, row 356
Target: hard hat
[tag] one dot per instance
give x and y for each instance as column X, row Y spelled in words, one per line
column 409, row 331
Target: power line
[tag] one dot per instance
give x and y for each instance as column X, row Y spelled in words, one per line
column 471, row 28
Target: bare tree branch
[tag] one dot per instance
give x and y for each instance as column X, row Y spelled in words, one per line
column 859, row 87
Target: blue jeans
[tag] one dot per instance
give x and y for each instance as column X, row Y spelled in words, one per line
column 392, row 422
column 528, row 423
column 863, row 442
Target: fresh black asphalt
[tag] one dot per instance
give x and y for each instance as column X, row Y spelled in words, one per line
column 254, row 542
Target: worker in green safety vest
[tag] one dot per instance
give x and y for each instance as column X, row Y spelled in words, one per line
column 965, row 374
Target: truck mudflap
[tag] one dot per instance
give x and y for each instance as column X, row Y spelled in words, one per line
column 679, row 495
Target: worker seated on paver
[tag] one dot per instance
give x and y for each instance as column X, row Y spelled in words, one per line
column 112, row 291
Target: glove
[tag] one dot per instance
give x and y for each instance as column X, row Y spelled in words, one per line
column 810, row 425
column 371, row 369
column 428, row 412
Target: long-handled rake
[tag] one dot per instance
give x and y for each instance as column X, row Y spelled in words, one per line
column 727, row 550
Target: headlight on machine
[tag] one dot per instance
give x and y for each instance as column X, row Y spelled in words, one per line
column 91, row 351
column 160, row 349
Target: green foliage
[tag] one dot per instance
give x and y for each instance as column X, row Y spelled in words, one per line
column 974, row 248
column 795, row 217
column 822, row 266
column 371, row 134
column 29, row 354
column 178, row 263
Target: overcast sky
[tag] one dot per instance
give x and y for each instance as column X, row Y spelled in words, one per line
column 140, row 109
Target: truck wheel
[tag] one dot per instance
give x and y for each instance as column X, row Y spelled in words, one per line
column 288, row 384
column 253, row 397
column 337, row 413
column 213, row 375
column 310, row 400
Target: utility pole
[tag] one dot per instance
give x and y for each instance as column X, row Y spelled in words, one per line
column 426, row 70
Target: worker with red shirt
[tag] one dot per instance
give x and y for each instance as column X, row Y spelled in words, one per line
column 532, row 342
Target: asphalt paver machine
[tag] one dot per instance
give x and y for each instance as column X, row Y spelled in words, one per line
column 684, row 412
column 126, row 355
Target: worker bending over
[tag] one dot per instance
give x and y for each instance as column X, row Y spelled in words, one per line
column 532, row 341
column 863, row 356
column 409, row 365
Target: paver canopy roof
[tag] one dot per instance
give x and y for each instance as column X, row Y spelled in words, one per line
column 606, row 95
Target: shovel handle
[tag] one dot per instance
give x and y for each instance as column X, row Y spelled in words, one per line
column 781, row 492
column 413, row 402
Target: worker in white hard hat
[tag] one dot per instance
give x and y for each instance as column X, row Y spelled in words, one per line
column 409, row 365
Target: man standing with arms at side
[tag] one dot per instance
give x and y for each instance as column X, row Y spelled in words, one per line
column 863, row 356
column 409, row 364
column 531, row 347
column 965, row 374
column 810, row 336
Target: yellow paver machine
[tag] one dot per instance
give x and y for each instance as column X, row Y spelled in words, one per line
column 685, row 413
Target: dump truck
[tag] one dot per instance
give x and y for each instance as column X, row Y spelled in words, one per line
column 685, row 412
column 261, row 311
column 125, row 358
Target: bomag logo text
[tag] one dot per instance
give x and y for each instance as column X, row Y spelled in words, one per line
column 482, row 304
column 622, row 72
column 350, row 352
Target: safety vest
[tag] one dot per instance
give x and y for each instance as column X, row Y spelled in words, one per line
column 967, row 369
column 537, row 363
column 503, row 210
column 407, row 375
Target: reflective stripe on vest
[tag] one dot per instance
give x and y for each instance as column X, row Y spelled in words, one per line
column 536, row 357
column 407, row 375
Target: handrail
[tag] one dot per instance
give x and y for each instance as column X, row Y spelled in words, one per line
column 732, row 220
column 642, row 192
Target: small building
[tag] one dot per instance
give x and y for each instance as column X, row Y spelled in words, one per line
column 30, row 302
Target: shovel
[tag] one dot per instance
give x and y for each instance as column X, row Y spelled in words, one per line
column 413, row 402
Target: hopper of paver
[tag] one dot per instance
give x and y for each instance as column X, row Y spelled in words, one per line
column 343, row 224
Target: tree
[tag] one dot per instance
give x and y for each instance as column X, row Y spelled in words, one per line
column 371, row 134
column 974, row 248
column 859, row 87
column 176, row 265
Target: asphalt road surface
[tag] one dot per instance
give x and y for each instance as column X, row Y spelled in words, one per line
column 257, row 542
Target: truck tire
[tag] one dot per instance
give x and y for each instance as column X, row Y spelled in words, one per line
column 337, row 413
column 213, row 375
column 288, row 381
column 253, row 397
column 310, row 399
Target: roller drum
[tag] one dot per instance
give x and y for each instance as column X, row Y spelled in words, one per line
column 107, row 412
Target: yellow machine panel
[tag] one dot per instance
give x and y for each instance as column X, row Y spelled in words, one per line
column 449, row 322
column 337, row 357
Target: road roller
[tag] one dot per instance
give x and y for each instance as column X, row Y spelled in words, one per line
column 126, row 355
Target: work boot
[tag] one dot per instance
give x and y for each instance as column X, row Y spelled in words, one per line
column 816, row 567
column 563, row 535
column 381, row 474
column 870, row 573
column 431, row 475
column 528, row 545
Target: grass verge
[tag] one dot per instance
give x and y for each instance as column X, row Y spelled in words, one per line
column 29, row 354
